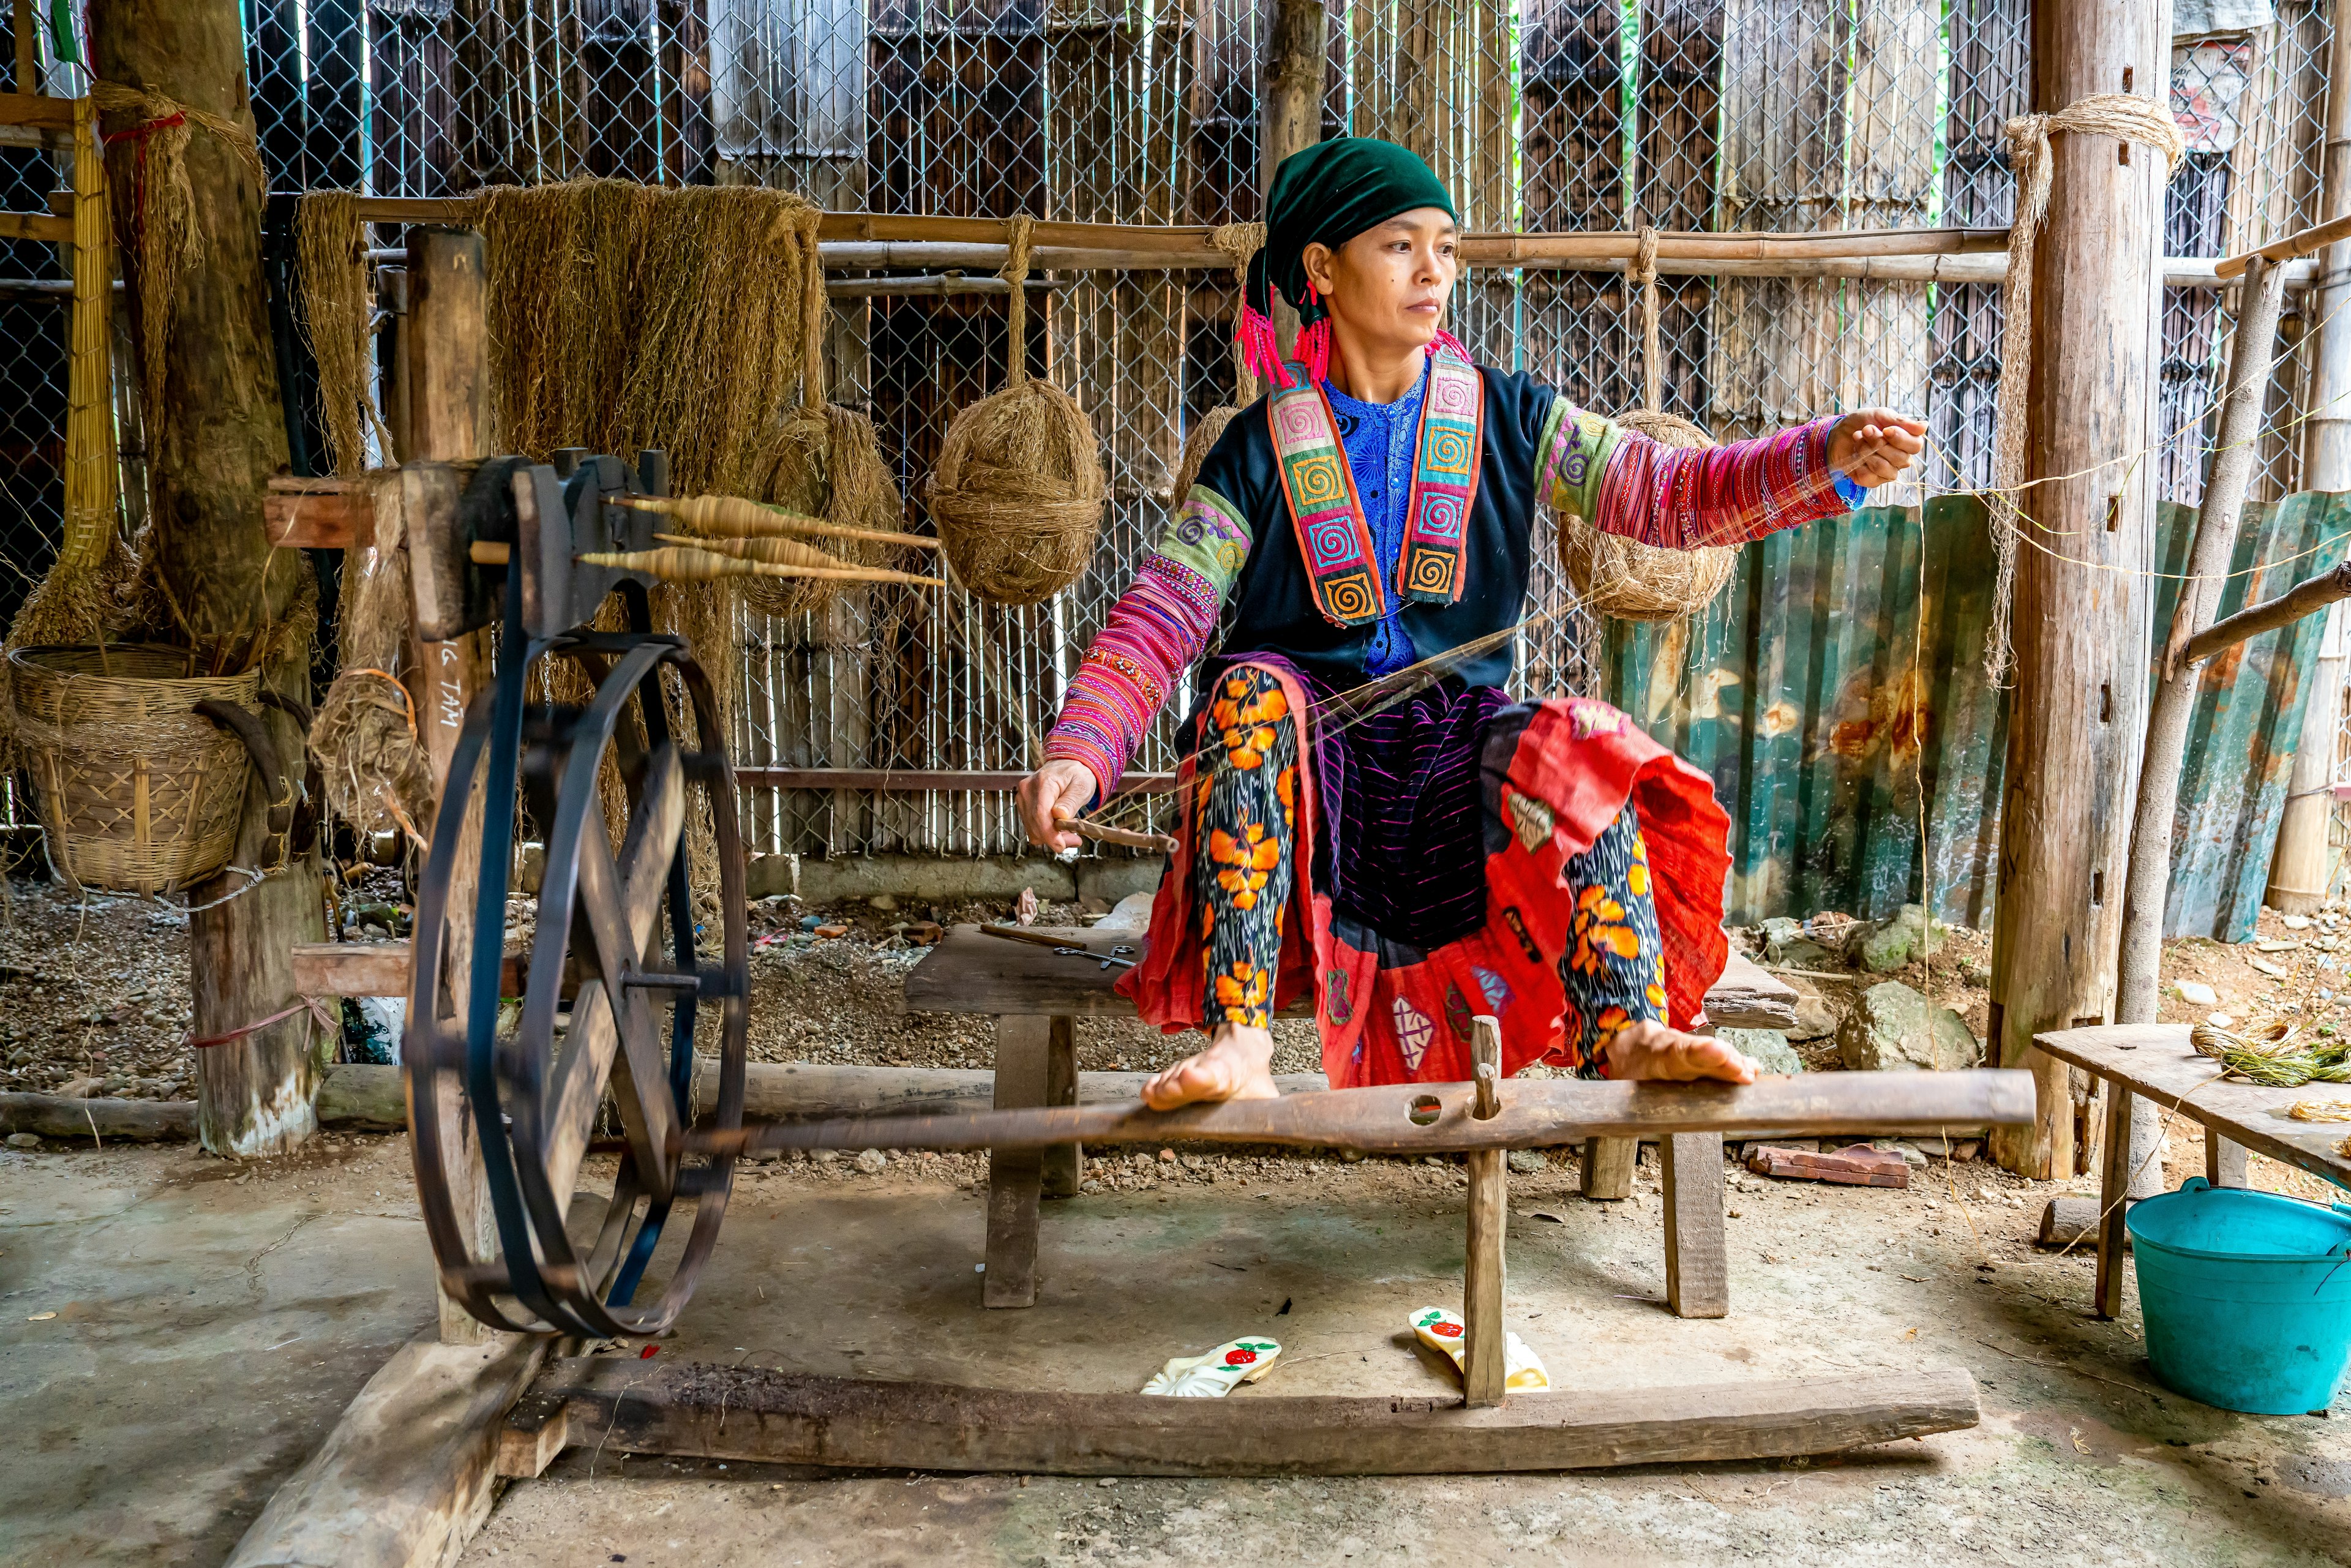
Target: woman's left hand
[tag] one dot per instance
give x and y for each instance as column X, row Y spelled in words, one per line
column 1871, row 446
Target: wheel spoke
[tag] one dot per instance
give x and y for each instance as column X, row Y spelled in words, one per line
column 586, row 1058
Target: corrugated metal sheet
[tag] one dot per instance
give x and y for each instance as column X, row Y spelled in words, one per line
column 1819, row 698
column 2247, row 714
column 1813, row 694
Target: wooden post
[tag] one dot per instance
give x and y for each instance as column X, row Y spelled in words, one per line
column 1485, row 1357
column 1290, row 118
column 2113, row 1188
column 445, row 351
column 213, row 447
column 2073, row 726
column 1023, row 1077
column 1064, row 1166
column 2298, row 871
column 1698, row 1284
column 1608, row 1165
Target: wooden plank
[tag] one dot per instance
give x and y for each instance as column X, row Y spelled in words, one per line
column 1857, row 1166
column 1608, row 1166
column 1484, row 1350
column 968, row 972
column 2155, row 1061
column 1429, row 1118
column 375, row 969
column 41, row 113
column 1015, row 1178
column 36, row 226
column 1063, row 1165
column 778, row 1417
column 410, row 1469
column 1698, row 1274
column 1747, row 996
column 320, row 514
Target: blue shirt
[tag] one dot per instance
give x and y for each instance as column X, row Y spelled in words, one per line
column 1383, row 442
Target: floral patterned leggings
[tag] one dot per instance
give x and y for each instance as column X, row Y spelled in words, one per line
column 1613, row 970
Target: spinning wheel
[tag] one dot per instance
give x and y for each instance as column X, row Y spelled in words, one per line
column 591, row 1024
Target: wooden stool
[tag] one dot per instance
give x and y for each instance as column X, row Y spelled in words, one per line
column 1036, row 996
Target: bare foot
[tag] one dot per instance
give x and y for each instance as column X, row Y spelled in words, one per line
column 1238, row 1065
column 1652, row 1050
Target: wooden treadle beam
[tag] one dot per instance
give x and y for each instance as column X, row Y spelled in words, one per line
column 779, row 1418
column 1432, row 1118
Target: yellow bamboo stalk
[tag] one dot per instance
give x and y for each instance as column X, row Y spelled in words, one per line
column 732, row 516
column 92, row 478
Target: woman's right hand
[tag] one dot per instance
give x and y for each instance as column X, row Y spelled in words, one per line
column 1057, row 791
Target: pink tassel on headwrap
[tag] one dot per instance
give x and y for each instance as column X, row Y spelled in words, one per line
column 1314, row 350
column 1260, row 349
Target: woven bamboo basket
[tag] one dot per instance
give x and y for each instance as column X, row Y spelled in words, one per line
column 137, row 792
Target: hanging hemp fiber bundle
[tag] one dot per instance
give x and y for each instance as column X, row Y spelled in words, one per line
column 1624, row 579
column 156, row 206
column 1241, row 242
column 331, row 265
column 1018, row 493
column 825, row 462
column 624, row 316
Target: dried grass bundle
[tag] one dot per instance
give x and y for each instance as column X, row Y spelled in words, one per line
column 371, row 760
column 90, row 594
column 1241, row 242
column 330, row 261
column 626, row 315
column 158, row 208
column 1019, row 490
column 826, row 462
column 1633, row 581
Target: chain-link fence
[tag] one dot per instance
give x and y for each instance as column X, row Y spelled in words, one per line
column 1552, row 115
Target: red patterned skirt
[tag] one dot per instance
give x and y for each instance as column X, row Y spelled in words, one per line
column 1544, row 780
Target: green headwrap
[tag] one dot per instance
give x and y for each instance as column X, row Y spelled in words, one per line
column 1328, row 194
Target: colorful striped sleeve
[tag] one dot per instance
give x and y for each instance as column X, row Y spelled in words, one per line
column 1677, row 499
column 1157, row 631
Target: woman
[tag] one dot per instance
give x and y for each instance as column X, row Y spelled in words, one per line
column 1453, row 853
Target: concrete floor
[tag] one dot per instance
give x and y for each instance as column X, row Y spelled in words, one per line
column 208, row 1331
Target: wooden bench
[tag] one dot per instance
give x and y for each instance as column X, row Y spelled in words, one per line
column 1036, row 996
column 2156, row 1064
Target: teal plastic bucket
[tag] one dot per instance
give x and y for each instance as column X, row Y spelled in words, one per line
column 2247, row 1296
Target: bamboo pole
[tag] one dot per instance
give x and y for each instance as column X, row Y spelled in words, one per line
column 2298, row 869
column 2073, row 723
column 2149, row 873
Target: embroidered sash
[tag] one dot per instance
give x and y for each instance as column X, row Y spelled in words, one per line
column 1341, row 563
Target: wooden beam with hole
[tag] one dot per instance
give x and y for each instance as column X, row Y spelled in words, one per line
column 1435, row 1118
column 322, row 514
column 374, row 969
column 761, row 1416
column 410, row 1469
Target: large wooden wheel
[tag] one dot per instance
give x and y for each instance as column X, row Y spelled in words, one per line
column 611, row 993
